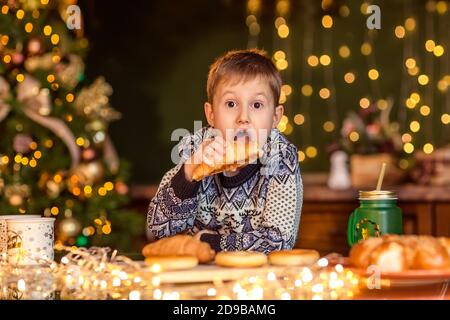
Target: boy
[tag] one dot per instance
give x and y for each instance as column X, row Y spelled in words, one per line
column 254, row 208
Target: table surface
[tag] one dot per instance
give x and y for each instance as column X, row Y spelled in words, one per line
column 316, row 190
column 437, row 291
column 198, row 280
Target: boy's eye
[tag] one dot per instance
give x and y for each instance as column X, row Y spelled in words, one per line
column 257, row 105
column 231, row 104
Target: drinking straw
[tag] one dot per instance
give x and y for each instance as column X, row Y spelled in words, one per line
column 381, row 176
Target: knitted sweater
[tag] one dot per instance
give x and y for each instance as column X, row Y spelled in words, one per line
column 256, row 210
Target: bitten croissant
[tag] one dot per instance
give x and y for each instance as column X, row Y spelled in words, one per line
column 237, row 156
column 180, row 245
column 394, row 253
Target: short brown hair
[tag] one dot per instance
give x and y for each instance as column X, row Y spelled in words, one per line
column 247, row 64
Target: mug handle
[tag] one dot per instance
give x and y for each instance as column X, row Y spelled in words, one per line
column 351, row 229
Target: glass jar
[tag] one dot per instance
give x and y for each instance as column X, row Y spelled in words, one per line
column 377, row 214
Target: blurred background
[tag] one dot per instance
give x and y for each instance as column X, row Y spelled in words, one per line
column 156, row 56
column 84, row 86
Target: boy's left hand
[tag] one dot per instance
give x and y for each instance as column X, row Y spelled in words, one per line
column 200, row 233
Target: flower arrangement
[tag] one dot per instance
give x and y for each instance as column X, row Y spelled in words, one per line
column 370, row 131
column 371, row 139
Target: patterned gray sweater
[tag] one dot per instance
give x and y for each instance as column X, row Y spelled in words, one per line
column 256, row 210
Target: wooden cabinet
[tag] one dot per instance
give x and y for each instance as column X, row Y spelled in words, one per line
column 324, row 227
column 442, row 218
column 325, row 212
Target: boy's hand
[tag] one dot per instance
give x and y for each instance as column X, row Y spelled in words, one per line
column 201, row 232
column 211, row 151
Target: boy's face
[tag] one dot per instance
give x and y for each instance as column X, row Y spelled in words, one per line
column 244, row 106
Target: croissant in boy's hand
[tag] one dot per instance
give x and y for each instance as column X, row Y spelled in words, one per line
column 180, row 245
column 239, row 154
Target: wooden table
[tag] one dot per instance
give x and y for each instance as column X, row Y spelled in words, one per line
column 195, row 283
column 325, row 212
column 437, row 291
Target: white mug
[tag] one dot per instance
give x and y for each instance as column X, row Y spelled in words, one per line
column 29, row 239
column 3, row 228
column 18, row 216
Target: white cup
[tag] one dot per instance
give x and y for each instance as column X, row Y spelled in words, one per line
column 3, row 228
column 29, row 238
column 18, row 216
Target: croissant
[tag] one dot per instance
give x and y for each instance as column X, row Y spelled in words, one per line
column 394, row 253
column 180, row 245
column 238, row 156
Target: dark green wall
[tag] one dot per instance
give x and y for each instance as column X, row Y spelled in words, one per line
column 156, row 56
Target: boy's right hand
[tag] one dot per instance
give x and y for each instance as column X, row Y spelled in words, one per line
column 211, row 151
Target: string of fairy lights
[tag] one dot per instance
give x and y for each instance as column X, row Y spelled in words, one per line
column 282, row 56
column 253, row 12
column 329, row 91
column 443, row 83
column 425, row 110
column 418, row 104
column 99, row 273
column 303, row 119
column 419, row 64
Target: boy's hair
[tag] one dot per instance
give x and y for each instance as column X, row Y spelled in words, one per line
column 246, row 64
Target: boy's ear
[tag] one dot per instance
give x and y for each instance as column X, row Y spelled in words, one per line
column 209, row 113
column 279, row 111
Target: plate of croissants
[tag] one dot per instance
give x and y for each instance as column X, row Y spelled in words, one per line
column 404, row 259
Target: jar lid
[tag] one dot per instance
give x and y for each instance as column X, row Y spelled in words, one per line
column 377, row 195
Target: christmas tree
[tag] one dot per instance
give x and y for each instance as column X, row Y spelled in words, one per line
column 56, row 158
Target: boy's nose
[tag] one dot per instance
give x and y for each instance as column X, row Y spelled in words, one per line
column 243, row 116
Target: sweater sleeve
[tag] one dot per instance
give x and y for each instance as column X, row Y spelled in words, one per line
column 281, row 215
column 174, row 207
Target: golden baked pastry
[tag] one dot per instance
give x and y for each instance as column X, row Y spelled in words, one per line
column 446, row 243
column 389, row 256
column 167, row 263
column 180, row 245
column 295, row 257
column 236, row 157
column 430, row 254
column 360, row 253
column 241, row 259
column 395, row 253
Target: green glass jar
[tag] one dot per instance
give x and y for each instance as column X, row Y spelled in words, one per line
column 377, row 214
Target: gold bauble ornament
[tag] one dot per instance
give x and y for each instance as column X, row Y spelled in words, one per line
column 15, row 200
column 96, row 125
column 93, row 103
column 89, row 173
column 17, row 193
column 34, row 46
column 53, row 189
column 69, row 227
